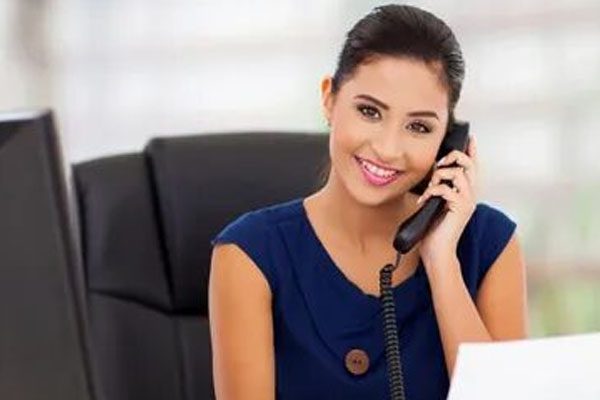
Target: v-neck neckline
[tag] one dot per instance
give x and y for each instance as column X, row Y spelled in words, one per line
column 336, row 273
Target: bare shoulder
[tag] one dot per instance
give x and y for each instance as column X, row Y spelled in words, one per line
column 502, row 297
column 232, row 268
column 239, row 301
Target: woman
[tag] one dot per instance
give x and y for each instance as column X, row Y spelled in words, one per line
column 294, row 288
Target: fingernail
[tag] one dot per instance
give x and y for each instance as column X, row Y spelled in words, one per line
column 419, row 200
column 441, row 161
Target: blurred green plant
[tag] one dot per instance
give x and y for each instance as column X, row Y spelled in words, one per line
column 564, row 306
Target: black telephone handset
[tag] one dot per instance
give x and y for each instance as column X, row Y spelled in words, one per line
column 414, row 228
column 410, row 232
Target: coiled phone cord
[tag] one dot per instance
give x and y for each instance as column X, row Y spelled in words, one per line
column 390, row 332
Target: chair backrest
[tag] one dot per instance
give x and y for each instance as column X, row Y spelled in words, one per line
column 43, row 351
column 146, row 223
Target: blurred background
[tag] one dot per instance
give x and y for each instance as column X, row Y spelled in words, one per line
column 118, row 72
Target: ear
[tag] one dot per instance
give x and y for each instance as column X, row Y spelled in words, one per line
column 327, row 97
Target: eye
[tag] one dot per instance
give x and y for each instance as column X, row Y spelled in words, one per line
column 368, row 111
column 420, row 127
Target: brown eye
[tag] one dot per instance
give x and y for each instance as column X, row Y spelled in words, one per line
column 368, row 111
column 419, row 127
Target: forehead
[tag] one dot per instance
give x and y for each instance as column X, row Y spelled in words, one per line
column 400, row 82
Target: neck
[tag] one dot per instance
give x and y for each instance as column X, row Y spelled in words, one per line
column 364, row 227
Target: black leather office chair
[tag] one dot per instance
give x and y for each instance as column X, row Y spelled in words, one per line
column 146, row 223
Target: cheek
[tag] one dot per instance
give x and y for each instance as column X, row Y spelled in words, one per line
column 343, row 145
column 340, row 145
column 421, row 159
column 346, row 138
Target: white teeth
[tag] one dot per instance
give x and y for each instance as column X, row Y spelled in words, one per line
column 376, row 170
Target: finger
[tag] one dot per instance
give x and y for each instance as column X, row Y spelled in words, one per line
column 458, row 157
column 439, row 190
column 472, row 148
column 446, row 173
column 456, row 175
column 462, row 185
column 471, row 168
column 472, row 151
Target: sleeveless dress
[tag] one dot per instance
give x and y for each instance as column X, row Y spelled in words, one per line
column 319, row 315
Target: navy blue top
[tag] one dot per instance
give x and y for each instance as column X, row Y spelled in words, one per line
column 319, row 314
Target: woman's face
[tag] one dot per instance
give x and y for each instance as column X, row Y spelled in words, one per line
column 391, row 112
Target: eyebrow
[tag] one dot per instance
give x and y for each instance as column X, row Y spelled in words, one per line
column 419, row 113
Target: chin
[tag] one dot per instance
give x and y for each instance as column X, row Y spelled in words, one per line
column 372, row 196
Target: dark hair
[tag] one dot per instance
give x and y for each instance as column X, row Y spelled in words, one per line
column 401, row 31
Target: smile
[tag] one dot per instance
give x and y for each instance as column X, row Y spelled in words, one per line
column 376, row 175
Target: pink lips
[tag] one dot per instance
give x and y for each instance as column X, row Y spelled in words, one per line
column 374, row 179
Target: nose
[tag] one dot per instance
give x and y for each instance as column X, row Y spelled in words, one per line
column 388, row 146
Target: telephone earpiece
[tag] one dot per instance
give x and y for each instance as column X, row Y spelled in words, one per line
column 449, row 143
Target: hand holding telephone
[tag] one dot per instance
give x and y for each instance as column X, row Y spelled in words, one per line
column 414, row 228
column 410, row 232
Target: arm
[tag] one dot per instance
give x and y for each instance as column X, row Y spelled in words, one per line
column 502, row 297
column 239, row 302
column 500, row 310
